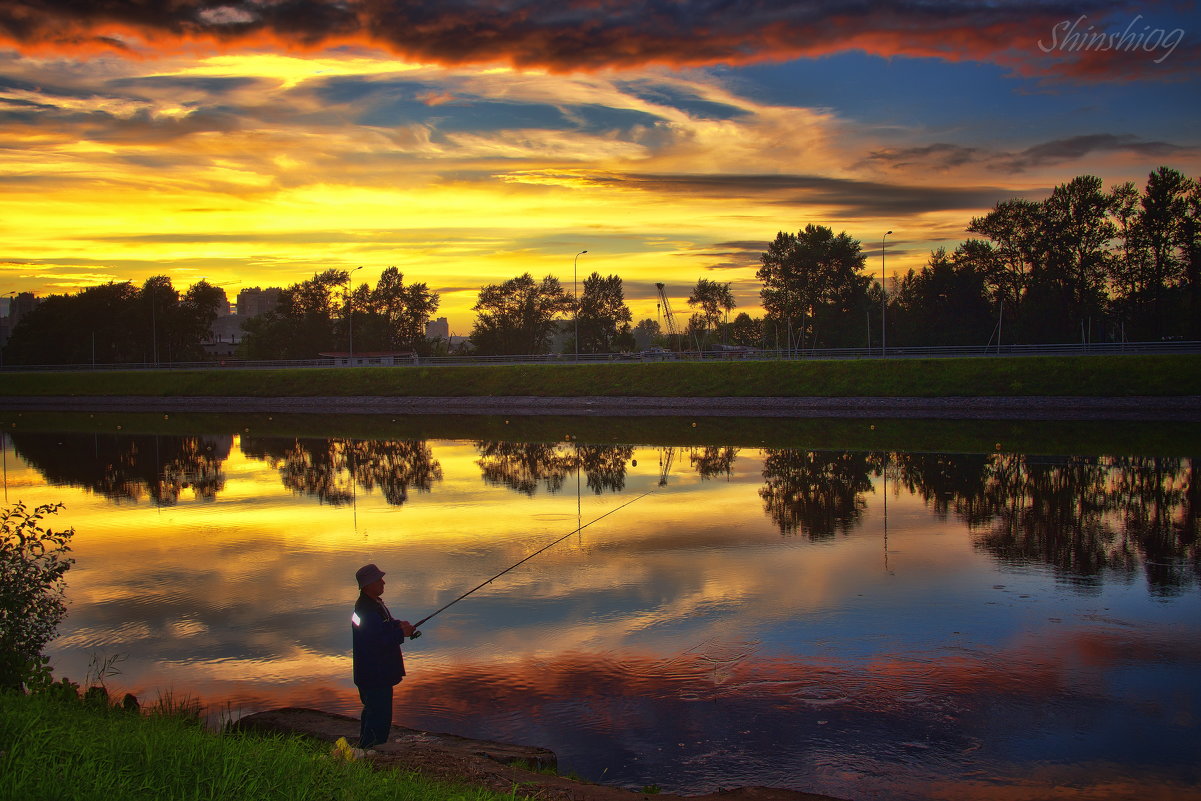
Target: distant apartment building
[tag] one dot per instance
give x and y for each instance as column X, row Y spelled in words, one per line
column 22, row 304
column 437, row 329
column 19, row 305
column 254, row 301
column 226, row 331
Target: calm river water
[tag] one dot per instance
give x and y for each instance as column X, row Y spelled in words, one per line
column 897, row 610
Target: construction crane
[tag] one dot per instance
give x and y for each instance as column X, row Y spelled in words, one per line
column 672, row 330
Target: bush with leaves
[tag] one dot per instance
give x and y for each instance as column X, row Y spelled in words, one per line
column 33, row 560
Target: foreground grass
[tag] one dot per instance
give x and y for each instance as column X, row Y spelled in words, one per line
column 1112, row 376
column 52, row 748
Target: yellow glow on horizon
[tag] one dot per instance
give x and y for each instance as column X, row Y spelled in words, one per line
column 292, row 70
column 269, row 199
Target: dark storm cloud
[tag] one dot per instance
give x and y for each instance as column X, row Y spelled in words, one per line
column 850, row 197
column 730, row 255
column 582, row 34
column 938, row 155
column 1075, row 147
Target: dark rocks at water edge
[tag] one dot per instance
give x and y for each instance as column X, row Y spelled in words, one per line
column 498, row 766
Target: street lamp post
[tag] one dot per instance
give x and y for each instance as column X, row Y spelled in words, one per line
column 576, row 302
column 350, row 310
column 883, row 302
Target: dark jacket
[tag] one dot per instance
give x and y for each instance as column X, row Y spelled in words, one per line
column 376, row 637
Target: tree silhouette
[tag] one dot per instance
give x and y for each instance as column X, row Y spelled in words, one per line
column 524, row 466
column 518, row 316
column 392, row 316
column 1086, row 517
column 333, row 470
column 715, row 301
column 604, row 319
column 117, row 323
column 303, row 324
column 816, row 493
column 945, row 304
column 129, row 467
column 1094, row 263
column 811, row 280
column 713, row 461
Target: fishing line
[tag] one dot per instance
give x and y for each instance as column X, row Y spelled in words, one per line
column 526, row 559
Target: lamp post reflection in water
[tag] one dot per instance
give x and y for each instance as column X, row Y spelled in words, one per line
column 887, row 459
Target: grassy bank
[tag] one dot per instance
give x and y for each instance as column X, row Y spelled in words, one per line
column 867, row 433
column 1114, row 376
column 54, row 748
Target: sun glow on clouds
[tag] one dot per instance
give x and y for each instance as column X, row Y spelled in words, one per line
column 247, row 184
column 257, row 160
column 291, row 71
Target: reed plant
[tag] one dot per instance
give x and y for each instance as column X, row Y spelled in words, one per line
column 55, row 745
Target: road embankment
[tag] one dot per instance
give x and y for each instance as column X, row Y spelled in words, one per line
column 1185, row 408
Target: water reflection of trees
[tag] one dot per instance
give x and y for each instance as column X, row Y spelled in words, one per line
column 129, row 466
column 816, row 493
column 713, row 461
column 524, row 466
column 332, row 470
column 1087, row 517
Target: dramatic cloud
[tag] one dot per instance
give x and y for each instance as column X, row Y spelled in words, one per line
column 847, row 196
column 939, row 156
column 272, row 138
column 942, row 156
column 584, row 35
column 1077, row 147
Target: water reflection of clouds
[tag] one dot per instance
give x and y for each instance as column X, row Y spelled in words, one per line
column 964, row 713
column 266, row 560
column 690, row 617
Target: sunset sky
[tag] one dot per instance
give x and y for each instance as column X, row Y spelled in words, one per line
column 254, row 142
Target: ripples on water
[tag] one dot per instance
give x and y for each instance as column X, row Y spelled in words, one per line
column 1010, row 627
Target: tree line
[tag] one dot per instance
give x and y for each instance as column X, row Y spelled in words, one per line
column 117, row 323
column 1086, row 516
column 324, row 314
column 1085, row 263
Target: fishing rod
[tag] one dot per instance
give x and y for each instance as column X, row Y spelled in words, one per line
column 416, row 634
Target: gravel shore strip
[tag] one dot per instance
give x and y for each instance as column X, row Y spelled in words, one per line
column 1182, row 408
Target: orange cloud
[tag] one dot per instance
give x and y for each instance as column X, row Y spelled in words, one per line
column 580, row 35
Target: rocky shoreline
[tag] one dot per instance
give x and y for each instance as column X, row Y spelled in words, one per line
column 1179, row 408
column 496, row 766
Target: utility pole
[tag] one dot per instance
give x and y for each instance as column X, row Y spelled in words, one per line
column 576, row 302
column 350, row 310
column 883, row 302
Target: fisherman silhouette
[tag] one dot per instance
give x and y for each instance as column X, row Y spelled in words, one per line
column 378, row 661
